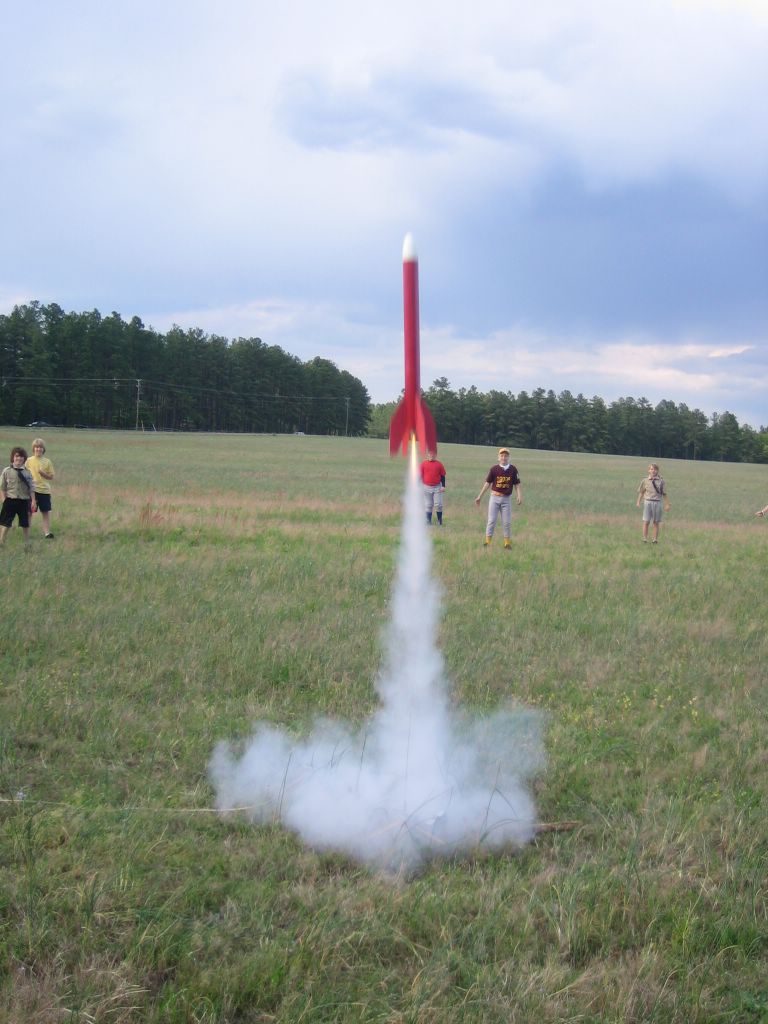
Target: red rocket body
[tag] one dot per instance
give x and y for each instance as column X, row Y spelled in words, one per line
column 412, row 418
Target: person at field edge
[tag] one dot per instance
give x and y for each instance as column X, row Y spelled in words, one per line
column 653, row 493
column 18, row 490
column 502, row 479
column 762, row 512
column 433, row 479
column 41, row 468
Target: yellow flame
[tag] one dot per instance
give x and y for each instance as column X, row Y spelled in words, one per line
column 414, row 457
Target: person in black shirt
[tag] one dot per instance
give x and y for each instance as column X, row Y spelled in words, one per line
column 502, row 479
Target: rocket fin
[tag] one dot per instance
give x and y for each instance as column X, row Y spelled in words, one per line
column 426, row 432
column 399, row 430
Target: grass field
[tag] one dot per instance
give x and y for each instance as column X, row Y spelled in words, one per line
column 198, row 584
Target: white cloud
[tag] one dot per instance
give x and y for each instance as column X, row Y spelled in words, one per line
column 627, row 93
column 675, row 369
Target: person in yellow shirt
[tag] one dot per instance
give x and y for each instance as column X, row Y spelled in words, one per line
column 41, row 468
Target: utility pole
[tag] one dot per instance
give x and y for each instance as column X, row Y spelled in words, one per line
column 346, row 424
column 138, row 399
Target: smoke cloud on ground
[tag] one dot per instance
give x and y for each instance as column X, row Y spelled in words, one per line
column 420, row 779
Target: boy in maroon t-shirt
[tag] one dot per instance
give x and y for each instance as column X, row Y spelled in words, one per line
column 433, row 479
column 501, row 478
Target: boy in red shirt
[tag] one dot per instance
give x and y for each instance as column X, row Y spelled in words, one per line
column 433, row 479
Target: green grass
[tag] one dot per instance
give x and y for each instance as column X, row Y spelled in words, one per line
column 198, row 584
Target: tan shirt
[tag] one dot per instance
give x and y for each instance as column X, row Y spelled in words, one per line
column 13, row 485
column 648, row 492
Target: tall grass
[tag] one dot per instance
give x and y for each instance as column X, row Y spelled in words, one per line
column 200, row 583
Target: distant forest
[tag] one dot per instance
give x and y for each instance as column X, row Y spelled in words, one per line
column 566, row 423
column 85, row 369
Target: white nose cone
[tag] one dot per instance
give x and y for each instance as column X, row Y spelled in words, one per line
column 409, row 249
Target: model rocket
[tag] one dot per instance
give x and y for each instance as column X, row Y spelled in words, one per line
column 412, row 418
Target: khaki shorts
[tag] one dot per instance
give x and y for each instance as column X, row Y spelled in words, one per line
column 652, row 511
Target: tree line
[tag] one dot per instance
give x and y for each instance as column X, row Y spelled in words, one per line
column 566, row 423
column 85, row 369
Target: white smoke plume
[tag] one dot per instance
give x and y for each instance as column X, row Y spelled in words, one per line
column 419, row 780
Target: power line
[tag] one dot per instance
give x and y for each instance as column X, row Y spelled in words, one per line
column 168, row 386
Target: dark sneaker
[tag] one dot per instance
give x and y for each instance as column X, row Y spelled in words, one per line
column 49, row 536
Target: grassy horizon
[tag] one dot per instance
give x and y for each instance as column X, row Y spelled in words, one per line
column 200, row 583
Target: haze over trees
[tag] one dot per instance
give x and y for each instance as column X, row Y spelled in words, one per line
column 571, row 423
column 84, row 369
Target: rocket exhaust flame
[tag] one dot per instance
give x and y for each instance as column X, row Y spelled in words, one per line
column 420, row 780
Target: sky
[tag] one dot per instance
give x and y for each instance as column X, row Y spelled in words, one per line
column 586, row 182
